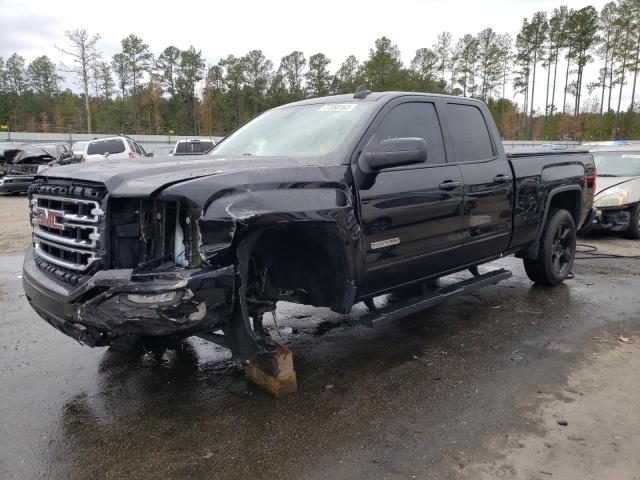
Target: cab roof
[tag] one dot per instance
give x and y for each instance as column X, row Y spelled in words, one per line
column 373, row 97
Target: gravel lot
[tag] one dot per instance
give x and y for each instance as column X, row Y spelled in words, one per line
column 512, row 382
column 15, row 231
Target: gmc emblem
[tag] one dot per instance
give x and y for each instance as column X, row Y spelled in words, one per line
column 49, row 218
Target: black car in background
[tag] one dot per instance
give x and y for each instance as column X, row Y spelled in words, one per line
column 22, row 163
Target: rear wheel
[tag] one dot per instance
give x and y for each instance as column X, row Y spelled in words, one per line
column 634, row 222
column 557, row 250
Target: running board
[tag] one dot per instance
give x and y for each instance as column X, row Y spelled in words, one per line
column 416, row 304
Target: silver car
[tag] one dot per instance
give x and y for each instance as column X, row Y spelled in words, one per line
column 617, row 199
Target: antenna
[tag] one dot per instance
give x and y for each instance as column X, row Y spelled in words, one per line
column 362, row 92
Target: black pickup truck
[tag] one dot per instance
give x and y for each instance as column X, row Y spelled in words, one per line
column 326, row 202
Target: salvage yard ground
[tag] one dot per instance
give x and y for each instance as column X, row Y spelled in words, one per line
column 15, row 231
column 512, row 382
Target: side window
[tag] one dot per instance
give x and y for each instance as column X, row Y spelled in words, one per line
column 470, row 132
column 412, row 119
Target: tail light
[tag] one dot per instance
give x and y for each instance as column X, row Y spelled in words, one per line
column 132, row 155
column 590, row 178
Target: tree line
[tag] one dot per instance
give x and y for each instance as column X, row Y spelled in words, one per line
column 176, row 92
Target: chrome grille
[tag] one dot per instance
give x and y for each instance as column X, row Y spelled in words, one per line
column 67, row 231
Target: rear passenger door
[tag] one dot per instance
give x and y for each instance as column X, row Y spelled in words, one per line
column 486, row 173
column 412, row 213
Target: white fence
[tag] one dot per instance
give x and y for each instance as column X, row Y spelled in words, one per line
column 145, row 140
column 157, row 140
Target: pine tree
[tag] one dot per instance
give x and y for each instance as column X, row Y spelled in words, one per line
column 292, row 67
column 348, row 76
column 318, row 77
column 139, row 59
column 583, row 35
column 259, row 70
column 383, row 70
column 426, row 68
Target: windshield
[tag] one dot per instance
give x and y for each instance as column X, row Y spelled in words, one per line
column 79, row 146
column 617, row 164
column 102, row 147
column 303, row 131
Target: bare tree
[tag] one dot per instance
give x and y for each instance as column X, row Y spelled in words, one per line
column 82, row 50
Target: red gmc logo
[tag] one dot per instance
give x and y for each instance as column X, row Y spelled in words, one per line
column 49, row 218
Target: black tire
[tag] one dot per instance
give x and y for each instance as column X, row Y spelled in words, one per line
column 634, row 222
column 557, row 250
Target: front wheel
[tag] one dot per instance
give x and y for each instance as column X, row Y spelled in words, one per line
column 633, row 231
column 557, row 250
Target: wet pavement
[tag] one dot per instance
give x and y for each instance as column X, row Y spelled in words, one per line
column 422, row 397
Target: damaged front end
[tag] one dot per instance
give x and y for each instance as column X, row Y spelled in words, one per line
column 192, row 258
column 102, row 268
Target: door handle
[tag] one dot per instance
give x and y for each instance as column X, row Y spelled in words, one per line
column 449, row 185
column 501, row 178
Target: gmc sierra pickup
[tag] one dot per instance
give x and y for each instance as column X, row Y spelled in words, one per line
column 327, row 202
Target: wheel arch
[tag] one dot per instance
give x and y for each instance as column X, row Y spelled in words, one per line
column 568, row 197
column 308, row 257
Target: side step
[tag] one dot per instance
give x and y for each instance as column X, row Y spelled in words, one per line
column 416, row 304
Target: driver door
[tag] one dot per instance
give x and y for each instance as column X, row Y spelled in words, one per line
column 412, row 215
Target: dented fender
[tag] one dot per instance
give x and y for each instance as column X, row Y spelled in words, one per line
column 317, row 200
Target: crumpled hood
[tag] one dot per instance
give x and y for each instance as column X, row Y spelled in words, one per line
column 142, row 177
column 631, row 184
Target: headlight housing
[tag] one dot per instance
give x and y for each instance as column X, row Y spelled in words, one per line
column 616, row 198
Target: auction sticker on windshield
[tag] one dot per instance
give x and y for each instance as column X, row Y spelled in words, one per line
column 338, row 107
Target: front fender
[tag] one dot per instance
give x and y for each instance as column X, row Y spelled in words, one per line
column 316, row 200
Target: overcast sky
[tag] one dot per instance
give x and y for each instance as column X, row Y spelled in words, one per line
column 336, row 28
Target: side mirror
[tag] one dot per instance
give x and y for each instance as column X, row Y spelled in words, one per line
column 394, row 152
column 150, row 154
column 64, row 155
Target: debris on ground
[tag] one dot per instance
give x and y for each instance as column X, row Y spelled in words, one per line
column 623, row 339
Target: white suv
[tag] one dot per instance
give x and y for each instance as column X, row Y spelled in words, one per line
column 194, row 146
column 113, row 148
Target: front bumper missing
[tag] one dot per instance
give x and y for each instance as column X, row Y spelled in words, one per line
column 615, row 220
column 118, row 302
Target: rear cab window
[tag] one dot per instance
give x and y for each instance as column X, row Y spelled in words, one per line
column 102, row 147
column 470, row 132
column 194, row 147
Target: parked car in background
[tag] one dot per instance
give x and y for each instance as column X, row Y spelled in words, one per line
column 22, row 163
column 162, row 151
column 194, row 146
column 10, row 148
column 114, row 148
column 80, row 149
column 617, row 199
